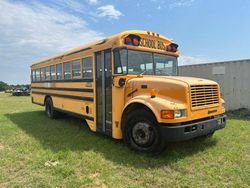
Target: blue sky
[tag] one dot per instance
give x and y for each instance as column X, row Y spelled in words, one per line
column 206, row 31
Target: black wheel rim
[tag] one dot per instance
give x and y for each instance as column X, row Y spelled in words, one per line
column 143, row 134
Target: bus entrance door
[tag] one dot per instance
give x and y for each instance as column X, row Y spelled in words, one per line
column 103, row 72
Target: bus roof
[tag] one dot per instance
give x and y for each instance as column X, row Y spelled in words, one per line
column 89, row 45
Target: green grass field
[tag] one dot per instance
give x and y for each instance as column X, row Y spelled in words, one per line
column 38, row 152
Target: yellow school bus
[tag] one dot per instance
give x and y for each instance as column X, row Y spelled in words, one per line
column 127, row 86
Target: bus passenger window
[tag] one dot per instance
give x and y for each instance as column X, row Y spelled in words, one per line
column 59, row 71
column 47, row 73
column 76, row 72
column 67, row 72
column 42, row 74
column 53, row 72
column 33, row 76
column 37, row 74
column 87, row 68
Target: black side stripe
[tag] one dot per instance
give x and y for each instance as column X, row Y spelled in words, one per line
column 73, row 80
column 76, row 114
column 65, row 89
column 65, row 96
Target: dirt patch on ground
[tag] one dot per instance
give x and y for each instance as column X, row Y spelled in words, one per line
column 241, row 113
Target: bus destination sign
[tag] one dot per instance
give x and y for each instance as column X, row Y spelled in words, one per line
column 149, row 43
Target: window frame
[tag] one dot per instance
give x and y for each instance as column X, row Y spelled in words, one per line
column 145, row 64
column 154, row 65
column 70, row 70
column 39, row 71
column 58, row 72
column 33, row 75
column 91, row 66
column 47, row 67
column 51, row 77
column 43, row 70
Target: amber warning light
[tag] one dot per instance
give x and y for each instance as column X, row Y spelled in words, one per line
column 135, row 40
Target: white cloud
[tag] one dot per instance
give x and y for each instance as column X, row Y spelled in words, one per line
column 75, row 5
column 93, row 2
column 32, row 31
column 189, row 60
column 181, row 3
column 108, row 11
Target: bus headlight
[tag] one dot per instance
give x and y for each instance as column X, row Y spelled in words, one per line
column 173, row 114
column 180, row 113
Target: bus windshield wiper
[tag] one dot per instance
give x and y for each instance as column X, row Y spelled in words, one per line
column 139, row 75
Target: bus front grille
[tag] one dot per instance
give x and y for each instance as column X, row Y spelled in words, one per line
column 204, row 95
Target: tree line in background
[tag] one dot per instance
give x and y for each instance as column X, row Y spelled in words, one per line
column 4, row 86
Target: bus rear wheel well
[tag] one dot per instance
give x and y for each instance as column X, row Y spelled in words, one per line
column 46, row 97
column 132, row 107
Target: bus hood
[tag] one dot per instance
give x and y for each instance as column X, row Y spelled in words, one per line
column 189, row 80
column 173, row 88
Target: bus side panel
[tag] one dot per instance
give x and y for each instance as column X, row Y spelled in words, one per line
column 38, row 99
column 76, row 106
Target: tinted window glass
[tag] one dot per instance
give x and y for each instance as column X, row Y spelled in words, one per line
column 76, row 69
column 140, row 62
column 53, row 72
column 87, row 68
column 120, row 57
column 33, row 75
column 59, row 71
column 42, row 74
column 67, row 72
column 47, row 73
column 37, row 74
column 144, row 62
column 165, row 65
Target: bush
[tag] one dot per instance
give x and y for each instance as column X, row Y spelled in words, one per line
column 3, row 86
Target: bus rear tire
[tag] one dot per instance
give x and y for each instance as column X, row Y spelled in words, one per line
column 141, row 132
column 49, row 109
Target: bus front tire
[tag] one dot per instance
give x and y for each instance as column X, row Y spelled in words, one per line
column 141, row 132
column 49, row 109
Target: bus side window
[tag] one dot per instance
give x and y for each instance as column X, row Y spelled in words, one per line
column 87, row 68
column 76, row 72
column 67, row 71
column 33, row 75
column 53, row 72
column 59, row 71
column 42, row 74
column 37, row 74
column 47, row 73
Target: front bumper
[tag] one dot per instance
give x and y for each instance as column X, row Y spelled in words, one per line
column 173, row 132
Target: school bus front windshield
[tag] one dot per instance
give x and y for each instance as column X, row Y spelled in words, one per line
column 147, row 63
